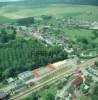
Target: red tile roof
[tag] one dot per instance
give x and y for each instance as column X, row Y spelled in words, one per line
column 77, row 81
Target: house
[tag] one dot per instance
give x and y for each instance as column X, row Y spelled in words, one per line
column 77, row 82
column 27, row 75
column 10, row 80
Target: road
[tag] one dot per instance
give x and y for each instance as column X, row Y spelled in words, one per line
column 50, row 81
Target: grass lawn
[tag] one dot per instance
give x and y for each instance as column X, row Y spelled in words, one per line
column 2, row 85
column 5, row 20
column 85, row 98
column 43, row 92
column 93, row 97
column 96, row 40
column 52, row 89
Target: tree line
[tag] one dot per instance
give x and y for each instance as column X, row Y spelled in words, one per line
column 6, row 36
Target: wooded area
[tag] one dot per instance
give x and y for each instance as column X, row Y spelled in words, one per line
column 20, row 55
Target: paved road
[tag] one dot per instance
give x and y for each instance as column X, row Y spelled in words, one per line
column 37, row 87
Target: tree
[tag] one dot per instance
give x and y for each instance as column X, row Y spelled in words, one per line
column 84, row 40
column 46, row 17
column 5, row 36
column 96, row 64
column 95, row 33
column 94, row 93
column 84, row 91
column 49, row 96
column 61, row 84
column 88, row 80
column 1, row 78
column 34, row 96
column 95, row 89
column 26, row 21
column 22, row 55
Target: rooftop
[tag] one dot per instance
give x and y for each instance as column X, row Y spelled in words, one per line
column 25, row 75
column 77, row 81
column 2, row 95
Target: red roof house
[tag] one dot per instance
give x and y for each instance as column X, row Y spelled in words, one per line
column 78, row 81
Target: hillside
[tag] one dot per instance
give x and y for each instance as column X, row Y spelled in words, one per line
column 92, row 2
column 29, row 8
column 83, row 2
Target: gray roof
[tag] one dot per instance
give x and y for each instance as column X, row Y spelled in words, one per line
column 25, row 74
column 3, row 94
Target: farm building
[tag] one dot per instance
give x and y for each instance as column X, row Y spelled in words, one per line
column 27, row 75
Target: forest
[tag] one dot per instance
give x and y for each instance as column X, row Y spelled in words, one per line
column 21, row 55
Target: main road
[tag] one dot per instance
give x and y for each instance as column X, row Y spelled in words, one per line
column 50, row 81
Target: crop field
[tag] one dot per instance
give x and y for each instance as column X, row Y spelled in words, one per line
column 80, row 11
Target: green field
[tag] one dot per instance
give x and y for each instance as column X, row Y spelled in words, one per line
column 80, row 11
column 75, row 33
column 4, row 19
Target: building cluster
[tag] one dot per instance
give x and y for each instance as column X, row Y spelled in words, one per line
column 70, row 91
column 93, row 71
column 27, row 79
column 82, row 23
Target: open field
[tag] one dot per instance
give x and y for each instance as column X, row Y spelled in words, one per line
column 74, row 33
column 85, row 98
column 5, row 19
column 81, row 11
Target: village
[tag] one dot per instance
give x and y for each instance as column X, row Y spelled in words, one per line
column 80, row 80
column 81, row 63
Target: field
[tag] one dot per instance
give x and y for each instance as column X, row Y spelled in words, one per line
column 80, row 11
column 5, row 19
column 74, row 33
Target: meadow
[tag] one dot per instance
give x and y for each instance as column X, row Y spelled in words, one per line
column 80, row 11
column 76, row 33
